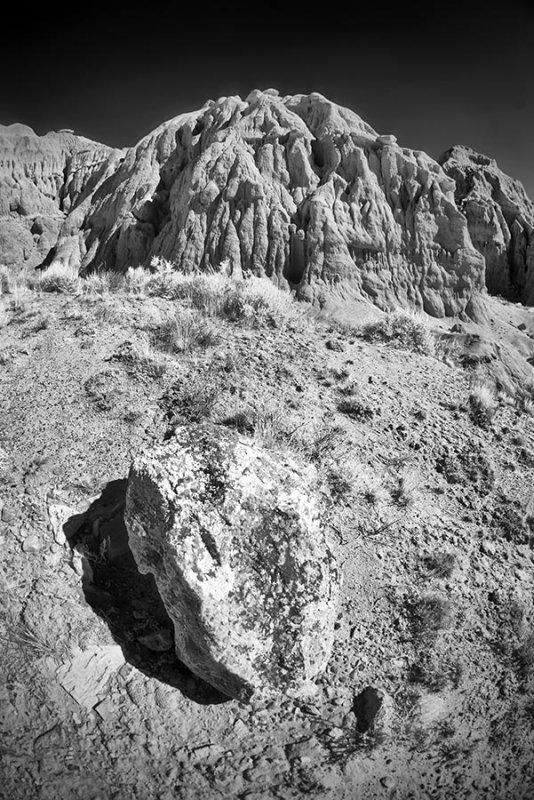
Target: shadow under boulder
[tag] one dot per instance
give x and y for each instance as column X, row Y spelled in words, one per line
column 128, row 601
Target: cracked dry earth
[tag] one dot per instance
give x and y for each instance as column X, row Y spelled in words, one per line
column 429, row 689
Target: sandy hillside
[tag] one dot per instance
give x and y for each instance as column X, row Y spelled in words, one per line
column 423, row 435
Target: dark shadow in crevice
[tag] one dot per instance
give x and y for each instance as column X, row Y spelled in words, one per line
column 366, row 706
column 128, row 601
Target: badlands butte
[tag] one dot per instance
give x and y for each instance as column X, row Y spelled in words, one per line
column 266, row 463
column 294, row 188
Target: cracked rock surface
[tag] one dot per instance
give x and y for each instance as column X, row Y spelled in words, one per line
column 234, row 539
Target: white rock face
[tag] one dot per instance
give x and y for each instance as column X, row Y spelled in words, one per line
column 295, row 188
column 233, row 537
column 298, row 189
column 500, row 217
column 43, row 180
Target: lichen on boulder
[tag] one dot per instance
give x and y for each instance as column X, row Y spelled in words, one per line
column 232, row 534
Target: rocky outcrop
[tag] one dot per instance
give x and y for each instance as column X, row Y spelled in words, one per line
column 233, row 537
column 300, row 190
column 295, row 188
column 43, row 180
column 500, row 217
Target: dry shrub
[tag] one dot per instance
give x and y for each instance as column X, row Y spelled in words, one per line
column 181, row 332
column 403, row 329
column 482, row 403
column 142, row 359
column 58, row 278
column 190, row 400
column 371, row 487
column 251, row 300
column 427, row 616
column 102, row 282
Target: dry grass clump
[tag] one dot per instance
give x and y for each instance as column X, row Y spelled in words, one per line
column 341, row 479
column 436, row 672
column 320, row 442
column 102, row 282
column 19, row 298
column 142, row 359
column 190, row 401
column 182, row 332
column 251, row 300
column 403, row 329
column 524, row 399
column 6, row 280
column 427, row 616
column 135, row 280
column 356, row 409
column 482, row 403
column 266, row 420
column 58, row 278
column 448, row 349
column 404, row 489
column 15, row 286
column 370, row 486
column 254, row 301
column 440, row 565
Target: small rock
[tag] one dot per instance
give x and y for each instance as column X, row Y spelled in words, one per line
column 487, row 547
column 335, row 345
column 8, row 514
column 208, row 752
column 240, row 729
column 386, row 138
column 388, row 782
column 307, row 751
column 335, row 733
column 105, row 709
column 31, row 544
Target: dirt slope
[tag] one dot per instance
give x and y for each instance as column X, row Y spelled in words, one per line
column 429, row 691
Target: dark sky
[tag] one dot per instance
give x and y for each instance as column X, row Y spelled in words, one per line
column 435, row 73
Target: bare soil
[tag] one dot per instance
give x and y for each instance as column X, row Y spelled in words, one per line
column 429, row 692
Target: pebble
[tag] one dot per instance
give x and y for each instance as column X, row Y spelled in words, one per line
column 487, row 547
column 8, row 514
column 31, row 544
column 335, row 733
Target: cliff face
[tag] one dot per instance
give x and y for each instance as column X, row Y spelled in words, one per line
column 43, row 179
column 295, row 188
column 500, row 217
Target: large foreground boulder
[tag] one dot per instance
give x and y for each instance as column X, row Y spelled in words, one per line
column 232, row 534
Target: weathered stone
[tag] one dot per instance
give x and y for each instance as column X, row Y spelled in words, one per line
column 44, row 182
column 31, row 544
column 295, row 188
column 233, row 536
column 500, row 217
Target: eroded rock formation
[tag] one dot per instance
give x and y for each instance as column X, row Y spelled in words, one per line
column 295, row 188
column 500, row 217
column 44, row 180
column 233, row 537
